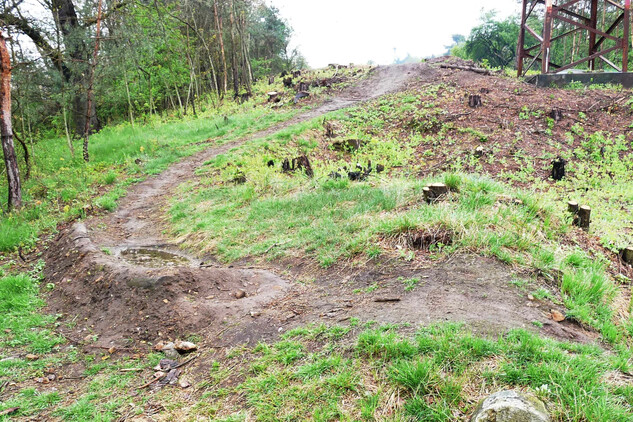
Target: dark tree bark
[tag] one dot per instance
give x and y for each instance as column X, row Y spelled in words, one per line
column 6, row 129
column 90, row 93
column 218, row 25
column 236, row 80
column 74, row 35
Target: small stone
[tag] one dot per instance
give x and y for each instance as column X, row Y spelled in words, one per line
column 165, row 301
column 530, row 297
column 240, row 294
column 32, row 357
column 510, row 406
column 184, row 346
column 557, row 316
column 255, row 314
column 159, row 374
column 184, row 384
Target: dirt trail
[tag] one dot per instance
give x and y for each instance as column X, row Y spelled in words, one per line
column 136, row 289
column 134, row 221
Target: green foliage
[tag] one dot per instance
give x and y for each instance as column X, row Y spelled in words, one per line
column 493, row 41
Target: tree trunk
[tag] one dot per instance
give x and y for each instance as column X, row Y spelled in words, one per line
column 90, row 92
column 129, row 99
column 218, row 25
column 75, row 74
column 6, row 130
column 236, row 79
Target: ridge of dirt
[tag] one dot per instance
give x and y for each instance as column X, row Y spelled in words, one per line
column 119, row 301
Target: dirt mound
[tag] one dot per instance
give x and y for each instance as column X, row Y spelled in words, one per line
column 119, row 300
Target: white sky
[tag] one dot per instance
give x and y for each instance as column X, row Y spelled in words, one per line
column 356, row 31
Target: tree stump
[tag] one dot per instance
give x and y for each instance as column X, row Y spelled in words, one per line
column 435, row 192
column 304, row 86
column 556, row 115
column 303, row 162
column 584, row 217
column 480, row 151
column 271, row 80
column 558, row 169
column 627, row 255
column 474, row 101
column 329, row 130
column 288, row 82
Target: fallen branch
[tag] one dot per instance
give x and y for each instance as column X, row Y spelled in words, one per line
column 479, row 70
column 387, row 299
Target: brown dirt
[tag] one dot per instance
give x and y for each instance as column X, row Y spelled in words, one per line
column 119, row 300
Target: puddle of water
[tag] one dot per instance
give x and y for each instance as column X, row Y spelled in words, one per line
column 153, row 258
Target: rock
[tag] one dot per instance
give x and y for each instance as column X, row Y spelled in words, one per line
column 166, row 365
column 184, row 346
column 557, row 316
column 510, row 406
column 240, row 294
column 32, row 357
column 168, row 349
column 184, row 384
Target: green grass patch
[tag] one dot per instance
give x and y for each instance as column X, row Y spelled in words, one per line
column 438, row 373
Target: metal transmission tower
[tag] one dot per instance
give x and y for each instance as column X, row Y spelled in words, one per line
column 565, row 18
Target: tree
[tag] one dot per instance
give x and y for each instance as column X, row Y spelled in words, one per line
column 6, row 128
column 493, row 40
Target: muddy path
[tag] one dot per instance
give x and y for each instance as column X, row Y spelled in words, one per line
column 122, row 279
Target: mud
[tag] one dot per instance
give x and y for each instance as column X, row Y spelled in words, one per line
column 150, row 292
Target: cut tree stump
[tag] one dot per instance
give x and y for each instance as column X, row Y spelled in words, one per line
column 434, row 192
column 572, row 207
column 584, row 217
column 556, row 115
column 558, row 169
column 474, row 101
column 273, row 96
column 329, row 130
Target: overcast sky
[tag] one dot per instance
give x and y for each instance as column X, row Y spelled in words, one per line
column 356, row 31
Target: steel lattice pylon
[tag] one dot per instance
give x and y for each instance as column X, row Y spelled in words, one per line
column 561, row 11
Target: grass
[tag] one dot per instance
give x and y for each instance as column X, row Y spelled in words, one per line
column 439, row 373
column 61, row 186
